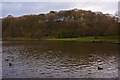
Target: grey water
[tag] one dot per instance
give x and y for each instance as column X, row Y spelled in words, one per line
column 59, row 59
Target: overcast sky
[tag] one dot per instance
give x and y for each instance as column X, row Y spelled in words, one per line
column 20, row 7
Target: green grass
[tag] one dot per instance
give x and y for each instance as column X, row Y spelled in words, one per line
column 115, row 38
column 109, row 38
column 87, row 39
column 90, row 39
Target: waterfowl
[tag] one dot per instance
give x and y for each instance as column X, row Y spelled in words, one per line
column 99, row 68
column 10, row 64
column 6, row 59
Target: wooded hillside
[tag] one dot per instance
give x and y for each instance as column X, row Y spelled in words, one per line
column 62, row 24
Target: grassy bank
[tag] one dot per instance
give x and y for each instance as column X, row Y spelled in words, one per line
column 90, row 39
column 81, row 39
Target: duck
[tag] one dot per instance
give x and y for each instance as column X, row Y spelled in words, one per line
column 10, row 64
column 6, row 59
column 99, row 68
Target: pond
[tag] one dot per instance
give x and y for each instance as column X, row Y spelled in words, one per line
column 59, row 59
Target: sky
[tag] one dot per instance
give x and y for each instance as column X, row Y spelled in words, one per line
column 22, row 7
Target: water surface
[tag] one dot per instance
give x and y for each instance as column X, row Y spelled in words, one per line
column 59, row 59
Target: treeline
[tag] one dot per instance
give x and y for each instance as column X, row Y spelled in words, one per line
column 62, row 24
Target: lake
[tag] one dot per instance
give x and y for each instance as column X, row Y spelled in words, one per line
column 59, row 59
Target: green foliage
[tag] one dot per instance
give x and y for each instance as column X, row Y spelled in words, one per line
column 67, row 34
column 61, row 34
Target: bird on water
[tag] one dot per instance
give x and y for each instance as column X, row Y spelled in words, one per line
column 99, row 68
column 10, row 64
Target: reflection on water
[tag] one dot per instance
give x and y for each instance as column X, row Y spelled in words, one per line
column 59, row 59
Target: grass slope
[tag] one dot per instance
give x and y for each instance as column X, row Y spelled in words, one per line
column 115, row 38
column 90, row 39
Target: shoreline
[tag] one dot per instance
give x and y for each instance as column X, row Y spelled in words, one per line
column 108, row 39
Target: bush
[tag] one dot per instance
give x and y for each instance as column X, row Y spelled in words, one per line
column 67, row 34
column 61, row 34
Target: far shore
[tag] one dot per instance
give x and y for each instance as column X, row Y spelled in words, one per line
column 113, row 39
